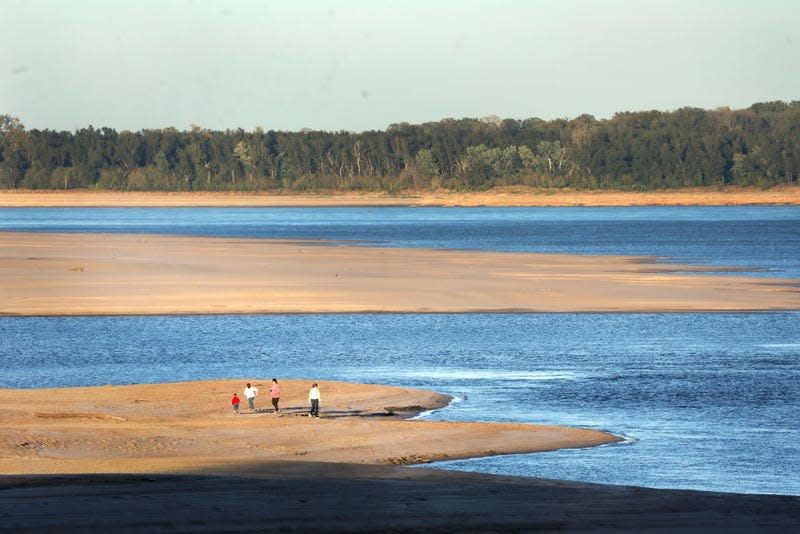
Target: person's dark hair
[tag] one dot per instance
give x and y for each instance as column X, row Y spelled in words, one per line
column 274, row 380
column 248, row 384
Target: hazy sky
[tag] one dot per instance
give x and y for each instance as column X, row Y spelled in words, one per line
column 364, row 64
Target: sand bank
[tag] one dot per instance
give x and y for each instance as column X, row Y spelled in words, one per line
column 172, row 457
column 501, row 196
column 95, row 274
column 190, row 427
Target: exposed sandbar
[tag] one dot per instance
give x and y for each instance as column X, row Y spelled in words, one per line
column 190, row 427
column 96, row 274
column 501, row 196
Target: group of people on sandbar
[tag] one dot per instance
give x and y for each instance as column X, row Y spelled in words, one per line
column 250, row 393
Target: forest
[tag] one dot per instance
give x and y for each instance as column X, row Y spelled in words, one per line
column 635, row 151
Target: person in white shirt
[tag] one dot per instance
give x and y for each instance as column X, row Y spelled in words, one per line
column 314, row 396
column 250, row 392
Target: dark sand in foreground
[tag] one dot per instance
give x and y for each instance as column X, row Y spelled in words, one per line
column 305, row 497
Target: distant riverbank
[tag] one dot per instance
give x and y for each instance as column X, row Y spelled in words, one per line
column 509, row 196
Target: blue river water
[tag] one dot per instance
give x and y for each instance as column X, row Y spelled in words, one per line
column 705, row 401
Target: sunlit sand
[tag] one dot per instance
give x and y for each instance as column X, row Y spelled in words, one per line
column 96, row 274
column 184, row 427
column 501, row 196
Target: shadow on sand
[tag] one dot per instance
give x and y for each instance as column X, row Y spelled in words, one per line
column 322, row 497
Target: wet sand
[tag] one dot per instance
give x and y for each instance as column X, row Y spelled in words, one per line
column 175, row 457
column 97, row 274
column 501, row 196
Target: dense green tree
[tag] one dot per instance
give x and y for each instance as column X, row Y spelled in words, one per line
column 757, row 146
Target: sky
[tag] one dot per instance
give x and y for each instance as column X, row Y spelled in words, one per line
column 364, row 64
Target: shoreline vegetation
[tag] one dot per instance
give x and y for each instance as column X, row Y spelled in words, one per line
column 635, row 151
column 132, row 274
column 173, row 456
column 498, row 197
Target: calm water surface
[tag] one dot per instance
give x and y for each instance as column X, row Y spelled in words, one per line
column 706, row 401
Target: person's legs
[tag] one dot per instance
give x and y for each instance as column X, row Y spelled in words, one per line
column 315, row 407
column 250, row 402
column 275, row 403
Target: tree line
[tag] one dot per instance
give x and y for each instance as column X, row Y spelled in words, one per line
column 758, row 146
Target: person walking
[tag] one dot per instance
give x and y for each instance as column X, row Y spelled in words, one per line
column 314, row 396
column 275, row 393
column 235, row 402
column 250, row 392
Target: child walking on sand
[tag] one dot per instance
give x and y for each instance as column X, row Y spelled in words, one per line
column 275, row 393
column 235, row 402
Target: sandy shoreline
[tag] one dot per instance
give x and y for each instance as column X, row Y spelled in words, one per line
column 119, row 274
column 505, row 196
column 173, row 457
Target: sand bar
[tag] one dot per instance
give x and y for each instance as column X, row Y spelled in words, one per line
column 97, row 274
column 501, row 196
column 190, row 427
